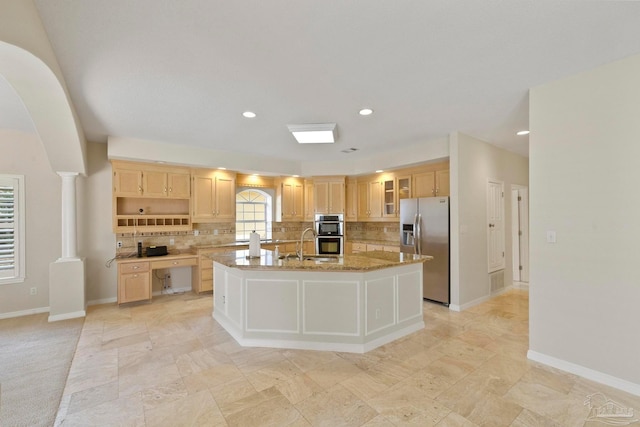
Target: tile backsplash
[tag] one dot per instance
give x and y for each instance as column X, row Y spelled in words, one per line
column 221, row 233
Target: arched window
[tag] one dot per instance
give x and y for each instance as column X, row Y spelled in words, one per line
column 253, row 212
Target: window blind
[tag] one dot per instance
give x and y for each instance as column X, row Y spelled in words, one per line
column 8, row 227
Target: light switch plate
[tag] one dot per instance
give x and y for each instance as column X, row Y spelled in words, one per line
column 551, row 236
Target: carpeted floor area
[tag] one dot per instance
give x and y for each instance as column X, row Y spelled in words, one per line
column 35, row 357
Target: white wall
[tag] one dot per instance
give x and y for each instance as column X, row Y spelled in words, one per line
column 472, row 163
column 95, row 233
column 584, row 160
column 43, row 220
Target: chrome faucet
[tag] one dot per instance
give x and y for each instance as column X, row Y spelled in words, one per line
column 301, row 255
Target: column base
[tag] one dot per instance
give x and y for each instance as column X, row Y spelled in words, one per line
column 67, row 286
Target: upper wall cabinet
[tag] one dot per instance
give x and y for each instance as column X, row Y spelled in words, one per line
column 431, row 183
column 329, row 195
column 149, row 198
column 290, row 199
column 351, row 200
column 154, row 181
column 214, row 195
column 309, row 202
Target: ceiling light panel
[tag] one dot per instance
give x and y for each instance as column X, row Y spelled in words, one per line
column 314, row 133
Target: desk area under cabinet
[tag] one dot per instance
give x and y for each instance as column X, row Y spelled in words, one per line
column 134, row 274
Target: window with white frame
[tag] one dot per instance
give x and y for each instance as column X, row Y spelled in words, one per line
column 12, row 235
column 253, row 213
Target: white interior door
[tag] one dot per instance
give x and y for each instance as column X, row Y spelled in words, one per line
column 495, row 225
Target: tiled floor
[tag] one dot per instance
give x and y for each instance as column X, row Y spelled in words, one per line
column 169, row 363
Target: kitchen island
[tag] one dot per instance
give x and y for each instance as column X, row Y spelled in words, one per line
column 351, row 303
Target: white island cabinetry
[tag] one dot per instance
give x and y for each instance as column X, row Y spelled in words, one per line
column 317, row 306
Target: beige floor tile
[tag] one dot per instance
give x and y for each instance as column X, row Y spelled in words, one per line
column 336, row 406
column 456, row 420
column 464, row 352
column 276, row 412
column 449, row 368
column 333, row 372
column 378, row 421
column 198, row 409
column 212, row 377
column 90, row 397
column 125, row 411
column 306, row 359
column 365, row 386
column 162, row 394
column 528, row 418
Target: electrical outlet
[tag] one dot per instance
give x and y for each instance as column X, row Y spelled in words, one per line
column 119, row 244
column 172, row 242
column 33, row 291
column 377, row 313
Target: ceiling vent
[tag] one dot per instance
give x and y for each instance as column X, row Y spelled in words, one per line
column 349, row 150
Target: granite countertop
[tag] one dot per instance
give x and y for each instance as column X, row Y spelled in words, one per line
column 374, row 242
column 367, row 261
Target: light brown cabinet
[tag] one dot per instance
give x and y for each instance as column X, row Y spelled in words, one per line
column 370, row 199
column 202, row 276
column 290, row 200
column 395, row 188
column 329, row 195
column 134, row 282
column 431, row 184
column 150, row 181
column 150, row 197
column 309, row 202
column 351, row 200
column 214, row 196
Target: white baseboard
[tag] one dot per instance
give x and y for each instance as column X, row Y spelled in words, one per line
column 66, row 316
column 521, row 285
column 590, row 374
column 102, row 301
column 24, row 312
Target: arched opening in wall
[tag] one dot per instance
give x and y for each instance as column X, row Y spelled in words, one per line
column 254, row 212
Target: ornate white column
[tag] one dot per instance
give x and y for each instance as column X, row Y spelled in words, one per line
column 67, row 283
column 69, row 216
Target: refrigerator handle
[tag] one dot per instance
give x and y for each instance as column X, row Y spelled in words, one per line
column 419, row 235
column 416, row 235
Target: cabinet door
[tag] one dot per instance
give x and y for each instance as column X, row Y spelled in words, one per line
column 203, row 201
column 424, row 184
column 336, row 197
column 375, row 199
column 351, row 211
column 309, row 201
column 179, row 185
column 127, row 183
column 322, row 197
column 154, row 184
column 225, row 196
column 363, row 200
column 298, row 201
column 134, row 287
column 442, row 183
column 389, row 207
column 403, row 188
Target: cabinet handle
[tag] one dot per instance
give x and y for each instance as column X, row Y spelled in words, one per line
column 165, row 190
column 135, row 267
column 170, row 189
column 135, row 275
column 175, row 262
column 140, row 189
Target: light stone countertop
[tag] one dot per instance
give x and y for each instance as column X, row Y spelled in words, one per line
column 366, row 261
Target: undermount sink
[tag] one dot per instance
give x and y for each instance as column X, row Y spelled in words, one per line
column 321, row 258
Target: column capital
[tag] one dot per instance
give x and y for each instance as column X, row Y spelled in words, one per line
column 68, row 174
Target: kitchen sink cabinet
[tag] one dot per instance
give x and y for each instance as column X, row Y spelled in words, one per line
column 329, row 195
column 214, row 196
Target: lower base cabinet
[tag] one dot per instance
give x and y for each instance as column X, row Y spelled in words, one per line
column 134, row 282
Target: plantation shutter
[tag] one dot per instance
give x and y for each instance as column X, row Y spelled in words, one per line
column 8, row 227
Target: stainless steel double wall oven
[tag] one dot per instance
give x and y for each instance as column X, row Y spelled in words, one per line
column 330, row 234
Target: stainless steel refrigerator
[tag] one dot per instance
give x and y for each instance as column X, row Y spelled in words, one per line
column 424, row 230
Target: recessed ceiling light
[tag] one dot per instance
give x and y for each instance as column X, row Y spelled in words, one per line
column 296, row 176
column 223, row 169
column 522, row 132
column 255, row 174
column 314, row 133
column 249, row 114
column 366, row 112
column 379, row 171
